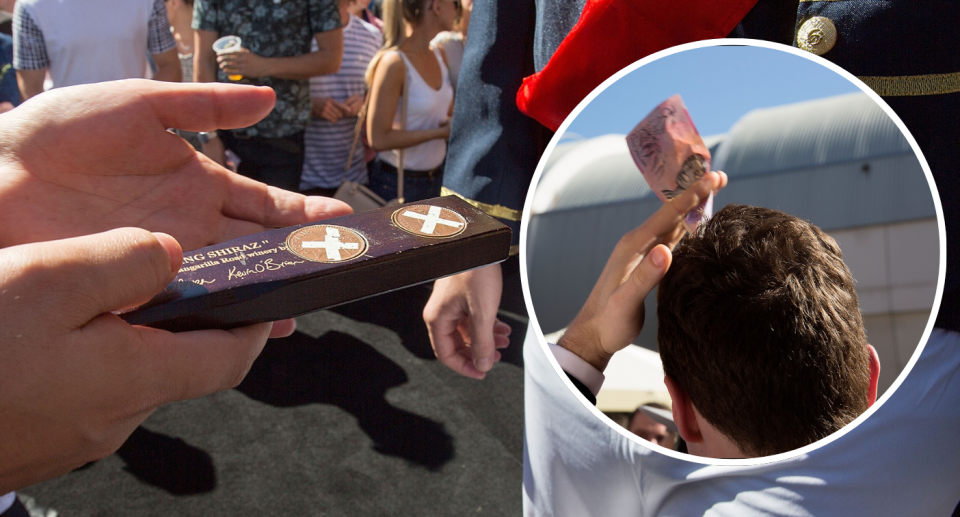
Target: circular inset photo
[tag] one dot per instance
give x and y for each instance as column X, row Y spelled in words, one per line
column 751, row 314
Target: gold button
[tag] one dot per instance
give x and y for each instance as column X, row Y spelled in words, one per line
column 817, row 35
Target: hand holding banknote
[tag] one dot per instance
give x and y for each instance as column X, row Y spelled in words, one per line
column 671, row 155
column 674, row 161
column 613, row 315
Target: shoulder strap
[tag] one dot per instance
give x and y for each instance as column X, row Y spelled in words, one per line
column 404, row 95
column 361, row 117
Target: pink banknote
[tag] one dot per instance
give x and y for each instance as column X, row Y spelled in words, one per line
column 671, row 155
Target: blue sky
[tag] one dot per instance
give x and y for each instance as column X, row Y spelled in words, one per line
column 718, row 86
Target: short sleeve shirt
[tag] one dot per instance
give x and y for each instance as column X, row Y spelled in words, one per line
column 272, row 28
column 62, row 37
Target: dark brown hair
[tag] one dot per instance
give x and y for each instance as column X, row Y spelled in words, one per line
column 760, row 324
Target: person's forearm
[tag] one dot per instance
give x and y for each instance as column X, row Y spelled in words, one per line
column 170, row 72
column 397, row 139
column 30, row 82
column 204, row 58
column 583, row 348
column 303, row 66
column 204, row 72
column 28, row 91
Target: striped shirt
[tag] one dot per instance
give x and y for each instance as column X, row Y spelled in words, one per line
column 328, row 143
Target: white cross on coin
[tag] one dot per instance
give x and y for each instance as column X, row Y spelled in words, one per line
column 432, row 219
column 331, row 244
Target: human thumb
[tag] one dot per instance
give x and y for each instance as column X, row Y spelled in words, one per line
column 483, row 344
column 103, row 272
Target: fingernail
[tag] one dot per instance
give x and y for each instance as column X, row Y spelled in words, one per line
column 173, row 249
column 483, row 364
column 657, row 257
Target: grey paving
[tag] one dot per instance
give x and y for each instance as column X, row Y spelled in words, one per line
column 351, row 415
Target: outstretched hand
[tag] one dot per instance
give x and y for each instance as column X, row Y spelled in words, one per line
column 613, row 315
column 461, row 317
column 75, row 379
column 90, row 158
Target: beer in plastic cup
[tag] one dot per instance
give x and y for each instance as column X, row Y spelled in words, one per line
column 226, row 45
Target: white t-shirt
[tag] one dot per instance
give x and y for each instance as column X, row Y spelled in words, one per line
column 89, row 41
column 902, row 460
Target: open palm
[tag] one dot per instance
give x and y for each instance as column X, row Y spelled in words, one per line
column 69, row 165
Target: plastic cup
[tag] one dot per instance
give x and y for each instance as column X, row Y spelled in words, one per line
column 226, row 45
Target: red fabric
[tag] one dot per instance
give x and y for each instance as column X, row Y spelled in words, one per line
column 612, row 34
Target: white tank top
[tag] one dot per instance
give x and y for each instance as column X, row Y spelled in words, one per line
column 426, row 109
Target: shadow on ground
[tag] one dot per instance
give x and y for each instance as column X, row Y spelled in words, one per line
column 168, row 463
column 341, row 370
column 359, row 420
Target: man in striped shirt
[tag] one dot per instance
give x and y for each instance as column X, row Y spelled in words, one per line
column 336, row 100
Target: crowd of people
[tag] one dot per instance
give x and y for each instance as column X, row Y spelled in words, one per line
column 353, row 98
column 357, row 96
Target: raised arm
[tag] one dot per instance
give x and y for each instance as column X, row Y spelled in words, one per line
column 613, row 315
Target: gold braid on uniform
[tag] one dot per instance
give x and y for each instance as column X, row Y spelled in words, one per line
column 913, row 85
column 498, row 211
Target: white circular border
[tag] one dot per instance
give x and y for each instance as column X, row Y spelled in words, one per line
column 732, row 42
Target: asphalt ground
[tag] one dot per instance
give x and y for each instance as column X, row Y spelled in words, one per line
column 352, row 415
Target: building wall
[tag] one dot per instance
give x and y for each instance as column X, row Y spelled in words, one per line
column 895, row 266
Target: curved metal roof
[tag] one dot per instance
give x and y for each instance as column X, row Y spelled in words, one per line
column 809, row 134
column 837, row 161
column 589, row 172
column 612, row 175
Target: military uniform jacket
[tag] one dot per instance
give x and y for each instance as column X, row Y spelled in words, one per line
column 908, row 51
